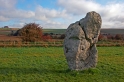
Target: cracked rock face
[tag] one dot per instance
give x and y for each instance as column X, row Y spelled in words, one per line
column 80, row 42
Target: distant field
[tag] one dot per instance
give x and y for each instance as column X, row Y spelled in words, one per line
column 55, row 31
column 62, row 31
column 6, row 31
column 40, row 64
column 112, row 31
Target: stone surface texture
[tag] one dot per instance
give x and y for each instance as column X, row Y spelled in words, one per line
column 80, row 42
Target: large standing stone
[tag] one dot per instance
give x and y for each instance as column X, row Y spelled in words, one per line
column 80, row 42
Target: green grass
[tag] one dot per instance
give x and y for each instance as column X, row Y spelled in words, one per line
column 39, row 64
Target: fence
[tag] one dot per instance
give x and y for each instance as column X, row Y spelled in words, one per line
column 16, row 43
column 31, row 44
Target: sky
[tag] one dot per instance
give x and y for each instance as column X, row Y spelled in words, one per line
column 59, row 14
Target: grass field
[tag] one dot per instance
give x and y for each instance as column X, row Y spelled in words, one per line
column 39, row 64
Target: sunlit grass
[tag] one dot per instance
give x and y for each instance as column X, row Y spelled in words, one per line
column 40, row 64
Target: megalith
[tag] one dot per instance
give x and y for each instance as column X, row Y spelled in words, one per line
column 80, row 42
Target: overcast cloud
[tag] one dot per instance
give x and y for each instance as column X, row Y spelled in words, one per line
column 68, row 11
column 111, row 13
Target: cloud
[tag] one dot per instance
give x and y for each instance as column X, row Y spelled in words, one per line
column 50, row 13
column 16, row 25
column 50, row 18
column 8, row 11
column 2, row 19
column 14, row 13
column 67, row 12
column 45, row 16
column 113, row 16
column 45, row 13
column 78, row 7
column 7, row 4
column 111, row 13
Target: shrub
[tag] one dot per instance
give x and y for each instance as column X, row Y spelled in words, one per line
column 46, row 37
column 62, row 36
column 102, row 37
column 16, row 33
column 110, row 37
column 119, row 37
column 31, row 32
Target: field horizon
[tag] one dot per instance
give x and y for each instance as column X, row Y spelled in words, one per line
column 6, row 31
